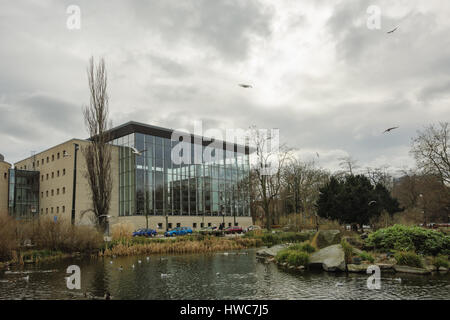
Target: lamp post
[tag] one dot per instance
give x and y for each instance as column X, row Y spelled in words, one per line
column 74, row 182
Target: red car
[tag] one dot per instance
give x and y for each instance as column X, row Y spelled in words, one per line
column 234, row 230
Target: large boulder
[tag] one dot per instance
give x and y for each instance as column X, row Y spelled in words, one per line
column 270, row 252
column 325, row 238
column 331, row 258
column 357, row 268
column 412, row 270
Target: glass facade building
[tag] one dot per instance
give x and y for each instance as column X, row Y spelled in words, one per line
column 153, row 182
column 23, row 193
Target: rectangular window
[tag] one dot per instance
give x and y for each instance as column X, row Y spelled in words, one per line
column 47, row 159
column 160, row 225
column 57, row 155
column 209, row 224
column 169, row 225
column 57, row 173
column 178, row 225
column 53, row 157
column 194, row 225
column 53, row 175
column 202, row 225
column 63, row 208
column 64, row 172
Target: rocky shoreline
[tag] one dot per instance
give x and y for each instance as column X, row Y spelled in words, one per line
column 331, row 258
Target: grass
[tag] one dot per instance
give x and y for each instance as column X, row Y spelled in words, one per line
column 179, row 245
column 348, row 251
column 271, row 239
column 296, row 254
column 367, row 257
column 47, row 238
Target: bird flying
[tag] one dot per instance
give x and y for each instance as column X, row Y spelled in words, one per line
column 393, row 30
column 389, row 129
column 246, row 86
column 372, row 202
column 136, row 152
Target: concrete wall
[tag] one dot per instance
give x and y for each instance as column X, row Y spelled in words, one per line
column 4, row 175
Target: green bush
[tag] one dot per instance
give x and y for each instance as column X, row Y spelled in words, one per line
column 408, row 258
column 282, row 255
column 441, row 261
column 404, row 238
column 297, row 258
column 270, row 239
column 304, row 246
column 367, row 256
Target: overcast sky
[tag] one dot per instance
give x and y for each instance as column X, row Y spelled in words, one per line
column 319, row 74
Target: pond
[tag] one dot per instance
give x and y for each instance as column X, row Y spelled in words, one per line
column 232, row 275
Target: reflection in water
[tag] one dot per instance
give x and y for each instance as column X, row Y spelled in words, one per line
column 215, row 276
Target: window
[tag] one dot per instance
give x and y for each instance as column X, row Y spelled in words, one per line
column 57, row 191
column 159, row 225
column 5, row 175
column 42, row 178
column 236, row 224
column 57, row 173
column 202, row 225
column 46, row 193
column 53, row 157
column 64, row 172
column 178, row 225
column 37, row 163
column 57, row 209
column 194, row 225
column 46, row 176
column 53, row 175
column 42, row 161
column 57, row 155
column 63, row 208
column 209, row 224
column 47, row 159
column 46, row 210
column 52, row 209
column 52, row 192
column 64, row 190
column 229, row 224
column 42, row 194
column 170, row 225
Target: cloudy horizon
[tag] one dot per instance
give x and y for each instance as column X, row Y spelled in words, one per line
column 319, row 74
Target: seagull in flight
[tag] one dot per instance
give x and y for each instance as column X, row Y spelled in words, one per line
column 393, row 30
column 136, row 152
column 246, row 86
column 389, row 129
column 372, row 202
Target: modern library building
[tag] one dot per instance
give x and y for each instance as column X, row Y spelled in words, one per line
column 171, row 179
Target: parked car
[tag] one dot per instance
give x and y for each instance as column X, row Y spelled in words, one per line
column 252, row 228
column 208, row 230
column 180, row 231
column 234, row 230
column 145, row 233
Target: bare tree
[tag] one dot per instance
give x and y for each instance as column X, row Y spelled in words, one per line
column 348, row 164
column 267, row 169
column 380, row 176
column 431, row 150
column 98, row 152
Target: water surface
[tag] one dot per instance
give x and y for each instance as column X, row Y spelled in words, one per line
column 236, row 275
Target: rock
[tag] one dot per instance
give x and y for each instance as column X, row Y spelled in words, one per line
column 386, row 267
column 326, row 238
column 331, row 258
column 412, row 270
column 443, row 269
column 270, row 252
column 358, row 268
column 430, row 268
column 301, row 268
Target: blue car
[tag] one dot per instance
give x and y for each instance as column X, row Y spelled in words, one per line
column 145, row 233
column 180, row 231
